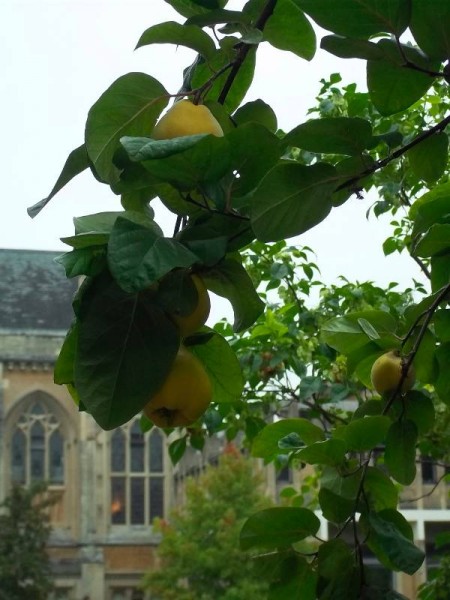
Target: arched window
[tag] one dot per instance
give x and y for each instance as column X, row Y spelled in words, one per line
column 37, row 447
column 137, row 475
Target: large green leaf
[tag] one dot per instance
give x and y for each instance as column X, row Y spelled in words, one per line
column 435, row 241
column 364, row 434
column 431, row 208
column 291, row 199
column 256, row 111
column 430, row 26
column 391, row 538
column 349, row 334
column 76, row 163
column 297, row 581
column 215, row 17
column 329, row 452
column 418, row 408
column 205, row 161
column 138, row 256
column 189, row 8
column 338, row 494
column 171, row 32
column 254, row 151
column 442, row 324
column 88, row 261
column 392, row 86
column 400, row 453
column 266, row 444
column 222, row 366
column 230, row 280
column 278, row 527
column 144, row 148
column 350, row 48
column 428, row 160
column 64, row 366
column 129, row 107
column 126, row 346
column 442, row 383
column 359, row 18
column 379, row 489
column 338, row 135
column 288, row 29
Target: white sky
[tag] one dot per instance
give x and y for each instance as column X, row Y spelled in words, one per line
column 58, row 57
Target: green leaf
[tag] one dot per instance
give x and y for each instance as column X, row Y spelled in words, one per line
column 400, row 453
column 350, row 48
column 388, row 539
column 216, row 17
column 76, row 163
column 144, row 148
column 297, row 582
column 329, row 452
column 291, row 199
column 126, row 347
column 359, row 18
column 256, row 111
column 138, row 256
column 435, row 241
column 364, row 434
column 335, row 559
column 369, row 329
column 430, row 26
column 418, row 408
column 332, row 135
column 350, row 171
column 379, row 490
column 432, row 207
column 177, row 448
column 254, row 151
column 278, row 527
column 222, row 366
column 288, row 29
column 205, row 161
column 129, row 107
column 145, row 424
column 441, row 321
column 189, row 8
column 442, row 383
column 222, row 58
column 230, row 280
column 64, row 366
column 393, row 87
column 85, row 240
column 88, row 261
column 338, row 494
column 170, row 32
column 266, row 443
column 346, row 335
column 440, row 272
column 429, row 159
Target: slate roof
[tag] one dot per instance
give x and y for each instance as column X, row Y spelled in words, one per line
column 34, row 291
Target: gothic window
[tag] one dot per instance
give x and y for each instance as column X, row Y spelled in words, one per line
column 37, row 447
column 137, row 475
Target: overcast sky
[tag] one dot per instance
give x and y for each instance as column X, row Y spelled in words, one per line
column 59, row 56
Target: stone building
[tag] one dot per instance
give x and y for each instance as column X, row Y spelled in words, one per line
column 109, row 486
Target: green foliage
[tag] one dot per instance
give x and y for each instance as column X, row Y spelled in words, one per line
column 24, row 563
column 199, row 550
column 292, row 377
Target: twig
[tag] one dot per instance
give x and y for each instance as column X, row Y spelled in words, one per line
column 410, row 65
column 427, row 493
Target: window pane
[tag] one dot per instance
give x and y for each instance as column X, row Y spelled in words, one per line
column 56, row 455
column 38, row 409
column 137, row 500
column 118, row 500
column 156, row 497
column 137, row 443
column 156, row 452
column 18, row 449
column 37, row 452
column 428, row 470
column 118, row 451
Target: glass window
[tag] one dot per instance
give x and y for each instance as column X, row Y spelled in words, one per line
column 156, row 497
column 118, row 451
column 18, row 456
column 56, row 468
column 137, row 448
column 37, row 452
column 428, row 470
column 37, row 446
column 137, row 501
column 156, row 452
column 137, row 475
column 118, row 500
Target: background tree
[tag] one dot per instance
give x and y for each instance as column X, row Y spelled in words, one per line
column 199, row 551
column 25, row 529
